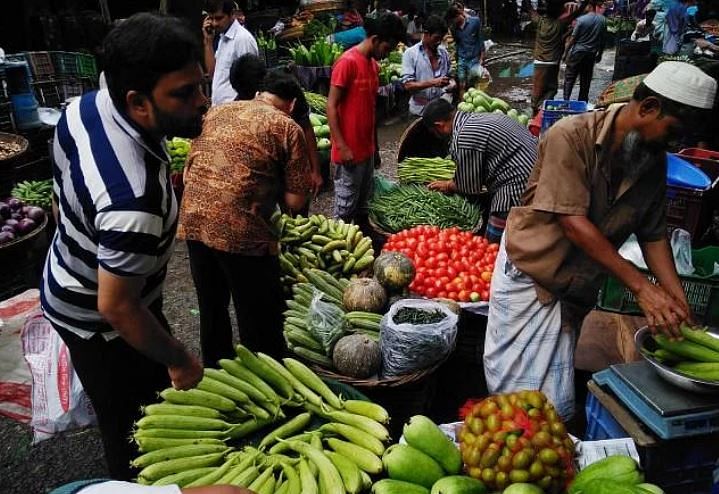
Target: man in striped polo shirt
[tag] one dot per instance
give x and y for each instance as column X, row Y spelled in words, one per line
column 492, row 152
column 116, row 214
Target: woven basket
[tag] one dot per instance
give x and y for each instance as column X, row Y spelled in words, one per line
column 384, row 383
column 292, row 33
column 378, row 230
column 322, row 7
column 13, row 139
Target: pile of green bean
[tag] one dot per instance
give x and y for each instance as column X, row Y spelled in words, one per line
column 425, row 170
column 406, row 206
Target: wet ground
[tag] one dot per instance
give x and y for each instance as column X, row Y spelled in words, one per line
column 27, row 469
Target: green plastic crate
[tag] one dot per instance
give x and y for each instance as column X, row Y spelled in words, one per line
column 702, row 289
column 86, row 66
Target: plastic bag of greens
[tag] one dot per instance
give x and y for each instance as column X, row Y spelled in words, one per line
column 325, row 321
column 381, row 185
column 416, row 334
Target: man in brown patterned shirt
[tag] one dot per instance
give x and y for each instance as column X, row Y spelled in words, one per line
column 250, row 157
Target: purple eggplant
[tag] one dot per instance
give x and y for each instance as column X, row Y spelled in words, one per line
column 6, row 237
column 5, row 211
column 15, row 204
column 25, row 226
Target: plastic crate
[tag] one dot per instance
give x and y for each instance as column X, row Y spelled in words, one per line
column 72, row 89
column 41, row 64
column 707, row 160
column 65, row 63
column 48, row 93
column 7, row 120
column 688, row 209
column 701, row 289
column 678, row 466
column 86, row 66
column 555, row 110
column 600, row 422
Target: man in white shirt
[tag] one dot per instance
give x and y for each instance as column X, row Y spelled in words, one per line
column 225, row 40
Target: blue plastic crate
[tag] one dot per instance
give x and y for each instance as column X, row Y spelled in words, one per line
column 556, row 109
column 600, row 423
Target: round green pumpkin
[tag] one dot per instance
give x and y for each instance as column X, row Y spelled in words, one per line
column 364, row 294
column 357, row 355
column 394, row 270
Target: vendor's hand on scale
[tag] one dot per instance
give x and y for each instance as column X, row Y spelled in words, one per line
column 664, row 312
column 441, row 81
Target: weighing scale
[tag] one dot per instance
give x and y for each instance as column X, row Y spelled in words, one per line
column 667, row 410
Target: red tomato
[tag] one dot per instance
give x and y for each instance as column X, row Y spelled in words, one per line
column 419, row 278
column 431, row 262
column 441, row 271
column 485, row 295
column 463, row 296
column 431, row 292
column 452, row 295
column 442, row 294
column 487, row 276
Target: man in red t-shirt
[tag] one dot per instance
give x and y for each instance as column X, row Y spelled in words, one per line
column 351, row 114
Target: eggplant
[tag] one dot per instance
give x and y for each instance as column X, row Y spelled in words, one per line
column 6, row 237
column 36, row 214
column 25, row 226
column 15, row 204
column 17, row 216
column 4, row 210
column 12, row 223
column 7, row 228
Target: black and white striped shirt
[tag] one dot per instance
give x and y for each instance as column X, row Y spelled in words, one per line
column 117, row 210
column 492, row 151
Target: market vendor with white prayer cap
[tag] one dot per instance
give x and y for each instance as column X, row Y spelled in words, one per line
column 599, row 177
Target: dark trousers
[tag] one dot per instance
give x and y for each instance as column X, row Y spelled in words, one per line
column 253, row 282
column 582, row 65
column 118, row 380
column 544, row 85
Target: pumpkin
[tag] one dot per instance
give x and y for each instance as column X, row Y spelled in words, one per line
column 364, row 294
column 357, row 355
column 394, row 270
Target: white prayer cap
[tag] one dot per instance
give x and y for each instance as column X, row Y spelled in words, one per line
column 684, row 83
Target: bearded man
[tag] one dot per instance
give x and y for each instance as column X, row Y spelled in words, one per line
column 599, row 177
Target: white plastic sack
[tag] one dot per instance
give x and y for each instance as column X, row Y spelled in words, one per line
column 15, row 378
column 681, row 244
column 58, row 401
column 408, row 348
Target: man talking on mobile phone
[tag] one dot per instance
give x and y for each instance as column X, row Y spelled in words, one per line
column 225, row 40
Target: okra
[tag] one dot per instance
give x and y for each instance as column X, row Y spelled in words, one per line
column 181, row 422
column 175, row 452
column 156, row 471
column 182, row 479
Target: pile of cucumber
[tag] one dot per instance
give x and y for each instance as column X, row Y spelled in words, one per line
column 696, row 356
column 185, row 438
column 330, row 245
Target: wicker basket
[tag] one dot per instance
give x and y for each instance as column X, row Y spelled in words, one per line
column 378, row 230
column 13, row 138
column 383, row 383
column 292, row 33
column 325, row 7
column 23, row 259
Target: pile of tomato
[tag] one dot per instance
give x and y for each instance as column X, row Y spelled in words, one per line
column 450, row 263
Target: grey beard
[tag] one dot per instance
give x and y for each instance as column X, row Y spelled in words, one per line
column 639, row 156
